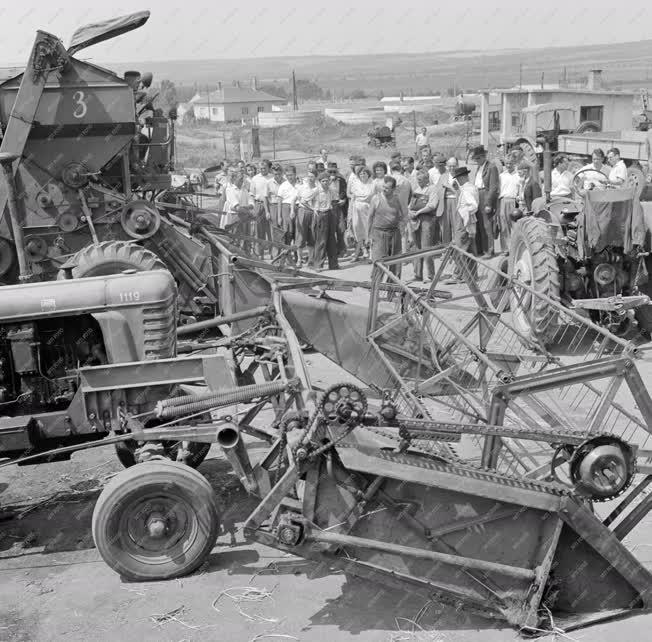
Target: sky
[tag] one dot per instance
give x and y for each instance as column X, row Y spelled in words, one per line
column 186, row 30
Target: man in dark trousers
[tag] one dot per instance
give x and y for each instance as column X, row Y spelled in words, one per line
column 487, row 182
column 339, row 205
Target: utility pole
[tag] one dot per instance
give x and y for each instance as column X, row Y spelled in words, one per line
column 520, row 75
column 295, row 103
column 208, row 99
column 542, row 77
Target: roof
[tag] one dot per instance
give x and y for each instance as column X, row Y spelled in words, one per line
column 545, row 107
column 238, row 95
column 569, row 90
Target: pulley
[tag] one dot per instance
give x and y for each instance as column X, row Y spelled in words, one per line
column 602, row 467
column 75, row 175
column 604, row 274
column 7, row 255
column 36, row 248
column 140, row 219
column 67, row 222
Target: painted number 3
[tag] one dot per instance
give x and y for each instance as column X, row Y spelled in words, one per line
column 80, row 104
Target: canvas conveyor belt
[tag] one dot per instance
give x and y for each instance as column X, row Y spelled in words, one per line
column 458, row 468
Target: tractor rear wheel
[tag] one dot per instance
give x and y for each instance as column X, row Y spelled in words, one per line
column 532, row 261
column 156, row 521
column 113, row 257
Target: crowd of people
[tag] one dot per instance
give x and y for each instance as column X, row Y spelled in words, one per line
column 391, row 207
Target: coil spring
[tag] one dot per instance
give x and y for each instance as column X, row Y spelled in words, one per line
column 188, row 404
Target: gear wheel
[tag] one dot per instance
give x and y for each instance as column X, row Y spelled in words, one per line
column 603, row 467
column 112, row 257
column 343, row 402
column 293, row 421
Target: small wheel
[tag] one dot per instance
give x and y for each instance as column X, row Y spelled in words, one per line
column 156, row 521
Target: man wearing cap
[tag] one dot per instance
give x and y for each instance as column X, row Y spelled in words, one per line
column 487, row 182
column 339, row 205
column 421, row 222
column 465, row 223
column 322, row 225
column 438, row 168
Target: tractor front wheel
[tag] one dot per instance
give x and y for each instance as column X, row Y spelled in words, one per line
column 113, row 257
column 156, row 521
column 532, row 261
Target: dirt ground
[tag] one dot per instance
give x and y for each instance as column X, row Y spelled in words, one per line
column 54, row 586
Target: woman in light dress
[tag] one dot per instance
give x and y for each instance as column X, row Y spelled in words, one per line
column 362, row 191
column 380, row 171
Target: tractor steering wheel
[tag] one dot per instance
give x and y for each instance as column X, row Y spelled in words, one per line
column 579, row 178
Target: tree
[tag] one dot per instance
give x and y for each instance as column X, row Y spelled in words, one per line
column 357, row 94
column 168, row 95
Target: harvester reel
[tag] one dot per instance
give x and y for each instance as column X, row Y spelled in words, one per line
column 140, row 220
column 6, row 255
column 75, row 175
column 344, row 402
column 603, row 467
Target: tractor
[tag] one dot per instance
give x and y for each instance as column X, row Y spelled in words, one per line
column 542, row 124
column 590, row 251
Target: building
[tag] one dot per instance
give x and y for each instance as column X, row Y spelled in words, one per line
column 234, row 103
column 609, row 110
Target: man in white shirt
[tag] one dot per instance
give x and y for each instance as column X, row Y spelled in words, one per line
column 509, row 187
column 259, row 187
column 288, row 194
column 618, row 173
column 323, row 157
column 465, row 225
column 422, row 138
column 560, row 178
column 238, row 206
column 438, row 168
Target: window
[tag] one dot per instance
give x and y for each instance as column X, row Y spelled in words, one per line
column 245, row 111
column 494, row 120
column 261, row 109
column 214, row 110
column 591, row 113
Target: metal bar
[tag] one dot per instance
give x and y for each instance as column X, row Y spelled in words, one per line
column 252, row 313
column 493, row 443
column 327, row 537
column 272, row 499
column 631, row 496
column 630, row 521
column 641, row 395
column 591, row 530
column 568, row 375
column 600, row 413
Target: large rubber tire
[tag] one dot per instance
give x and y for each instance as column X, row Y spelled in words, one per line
column 532, row 258
column 588, row 126
column 113, row 257
column 125, row 450
column 179, row 501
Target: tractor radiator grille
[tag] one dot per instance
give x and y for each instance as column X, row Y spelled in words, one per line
column 159, row 330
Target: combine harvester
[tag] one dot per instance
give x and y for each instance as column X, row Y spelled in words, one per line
column 469, row 467
column 471, row 470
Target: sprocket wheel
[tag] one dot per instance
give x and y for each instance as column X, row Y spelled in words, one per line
column 343, row 402
column 602, row 467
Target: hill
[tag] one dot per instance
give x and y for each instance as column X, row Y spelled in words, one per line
column 624, row 65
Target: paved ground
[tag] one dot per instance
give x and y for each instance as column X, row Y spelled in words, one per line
column 53, row 585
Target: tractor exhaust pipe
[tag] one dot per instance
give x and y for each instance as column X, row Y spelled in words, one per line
column 547, row 170
column 234, row 449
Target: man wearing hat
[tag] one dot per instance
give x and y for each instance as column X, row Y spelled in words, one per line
column 339, row 205
column 465, row 222
column 438, row 168
column 487, row 182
